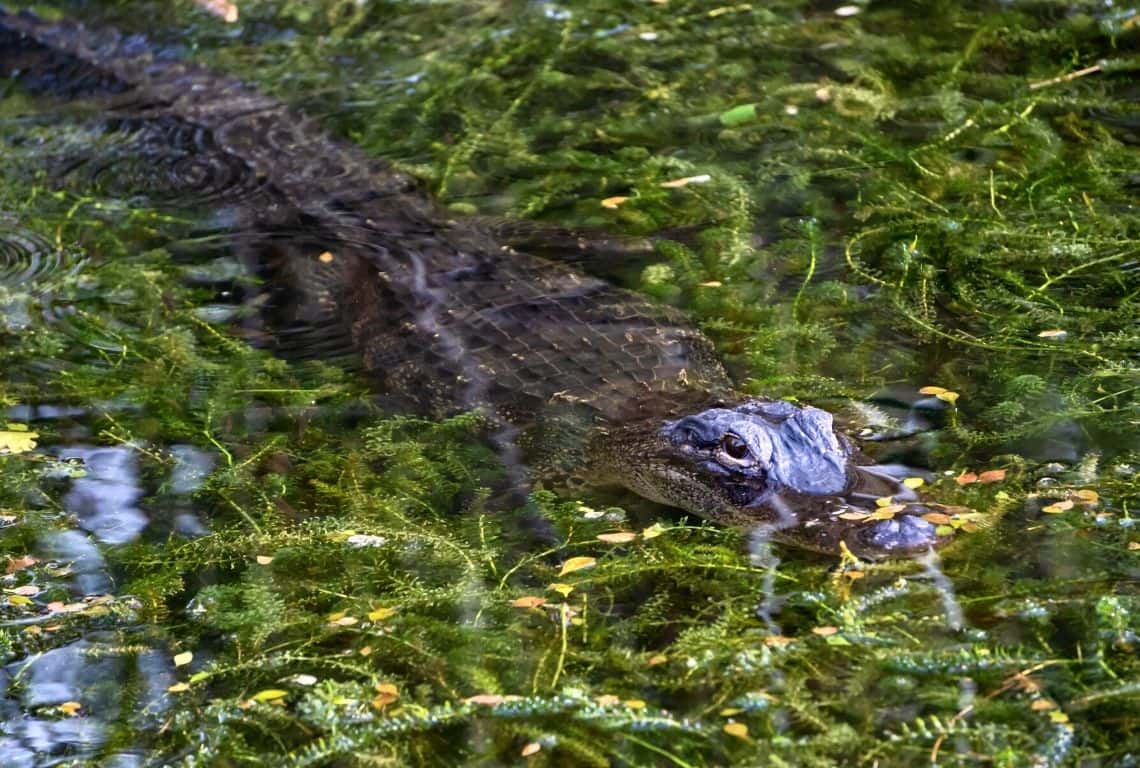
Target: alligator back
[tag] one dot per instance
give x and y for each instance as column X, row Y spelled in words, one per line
column 439, row 315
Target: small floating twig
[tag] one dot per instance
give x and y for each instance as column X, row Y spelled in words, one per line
column 1065, row 78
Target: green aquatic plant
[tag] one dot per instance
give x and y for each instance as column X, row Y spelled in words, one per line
column 940, row 194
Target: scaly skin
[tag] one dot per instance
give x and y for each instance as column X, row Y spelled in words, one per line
column 581, row 378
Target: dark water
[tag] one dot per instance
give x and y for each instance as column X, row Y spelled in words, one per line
column 862, row 201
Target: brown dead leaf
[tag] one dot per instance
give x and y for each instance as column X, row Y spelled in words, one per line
column 938, row 518
column 992, row 476
column 223, row 9
column 20, row 563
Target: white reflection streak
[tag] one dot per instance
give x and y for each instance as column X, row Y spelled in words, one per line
column 763, row 555
column 932, row 568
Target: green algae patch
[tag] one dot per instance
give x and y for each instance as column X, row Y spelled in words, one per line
column 870, row 210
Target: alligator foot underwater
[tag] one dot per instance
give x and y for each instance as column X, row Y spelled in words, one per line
column 580, row 378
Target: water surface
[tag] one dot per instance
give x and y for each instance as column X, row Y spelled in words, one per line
column 219, row 557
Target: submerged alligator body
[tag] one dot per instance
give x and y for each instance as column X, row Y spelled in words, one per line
column 581, row 377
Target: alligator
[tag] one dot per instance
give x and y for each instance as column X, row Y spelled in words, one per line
column 581, row 379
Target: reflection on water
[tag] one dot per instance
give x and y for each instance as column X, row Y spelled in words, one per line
column 928, row 217
column 109, row 681
column 106, row 678
column 105, row 502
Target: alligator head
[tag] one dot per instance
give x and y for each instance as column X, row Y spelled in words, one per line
column 776, row 466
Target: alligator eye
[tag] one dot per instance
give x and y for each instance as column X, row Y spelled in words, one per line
column 735, row 448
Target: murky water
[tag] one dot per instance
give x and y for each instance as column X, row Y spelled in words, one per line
column 920, row 216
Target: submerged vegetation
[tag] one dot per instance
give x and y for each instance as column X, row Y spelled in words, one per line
column 861, row 201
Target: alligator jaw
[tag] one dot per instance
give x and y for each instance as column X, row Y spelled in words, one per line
column 776, row 467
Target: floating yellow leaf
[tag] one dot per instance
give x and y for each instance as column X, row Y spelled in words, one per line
column 653, row 531
column 531, row 749
column 365, row 651
column 19, row 600
column 948, row 397
column 992, row 476
column 1053, row 333
column 730, row 711
column 884, row 501
column 966, row 478
column 933, row 390
column 379, row 614
column 914, row 482
column 1133, row 546
column 739, row 730
column 264, row 559
column 1041, row 705
column 1058, row 507
column 825, row 631
column 528, row 602
column 1058, row 717
column 269, row 694
column 17, row 441
column 887, row 512
column 657, row 659
column 623, row 537
column 562, row 589
column 712, row 284
column 607, row 700
column 345, row 621
column 613, row 202
column 635, row 703
column 179, row 688
column 326, row 257
column 386, row 693
column 777, row 641
column 577, row 564
column 854, row 515
column 183, row 658
column 1088, row 496
column 70, row 708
